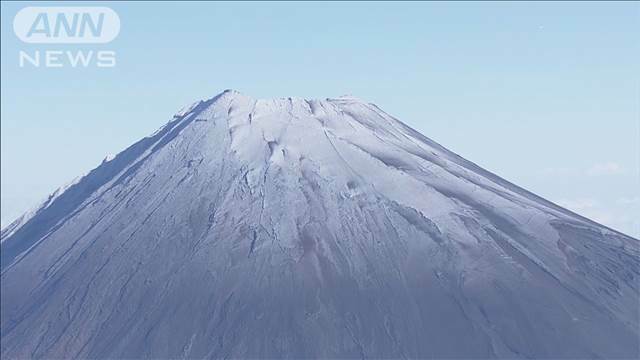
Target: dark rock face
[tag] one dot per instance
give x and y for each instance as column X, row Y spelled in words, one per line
column 299, row 229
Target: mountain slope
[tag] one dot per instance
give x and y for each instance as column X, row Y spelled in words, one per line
column 306, row 228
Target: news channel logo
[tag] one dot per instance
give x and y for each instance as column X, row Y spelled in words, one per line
column 45, row 27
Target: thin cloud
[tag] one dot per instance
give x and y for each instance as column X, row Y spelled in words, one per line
column 616, row 214
column 589, row 208
column 634, row 200
column 604, row 169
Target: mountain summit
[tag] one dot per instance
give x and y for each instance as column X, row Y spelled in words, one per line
column 309, row 228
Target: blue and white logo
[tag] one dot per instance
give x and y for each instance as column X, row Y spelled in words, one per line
column 79, row 25
column 66, row 25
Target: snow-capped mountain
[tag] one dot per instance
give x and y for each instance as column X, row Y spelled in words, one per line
column 309, row 228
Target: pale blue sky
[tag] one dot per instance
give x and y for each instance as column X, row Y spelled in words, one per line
column 544, row 94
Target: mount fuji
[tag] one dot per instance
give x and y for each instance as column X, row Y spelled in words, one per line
column 293, row 228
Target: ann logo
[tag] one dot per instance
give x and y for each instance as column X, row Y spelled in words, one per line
column 77, row 26
column 66, row 25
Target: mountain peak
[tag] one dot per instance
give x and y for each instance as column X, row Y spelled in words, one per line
column 309, row 229
column 232, row 93
column 348, row 98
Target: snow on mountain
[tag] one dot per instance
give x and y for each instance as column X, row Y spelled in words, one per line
column 310, row 228
column 17, row 224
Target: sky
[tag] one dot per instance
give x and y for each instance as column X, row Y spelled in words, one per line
column 544, row 94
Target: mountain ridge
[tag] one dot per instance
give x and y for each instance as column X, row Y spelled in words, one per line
column 310, row 228
column 348, row 98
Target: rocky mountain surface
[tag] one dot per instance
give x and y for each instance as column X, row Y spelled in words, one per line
column 294, row 228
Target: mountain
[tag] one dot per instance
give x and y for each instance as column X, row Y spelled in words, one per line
column 294, row 228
